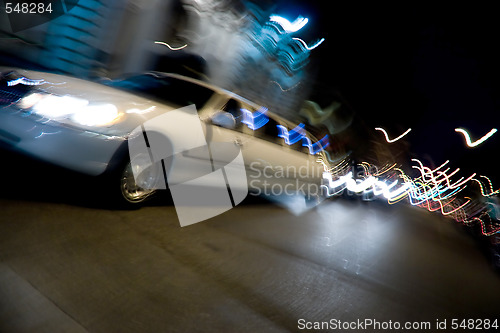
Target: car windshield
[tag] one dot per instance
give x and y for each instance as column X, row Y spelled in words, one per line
column 165, row 89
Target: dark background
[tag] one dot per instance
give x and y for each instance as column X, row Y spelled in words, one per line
column 67, row 265
column 412, row 66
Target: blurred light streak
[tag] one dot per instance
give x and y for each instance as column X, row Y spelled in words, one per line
column 442, row 206
column 335, row 161
column 387, row 136
column 288, row 89
column 490, row 187
column 298, row 133
column 275, row 39
column 337, row 168
column 170, row 47
column 293, row 135
column 399, row 194
column 484, row 231
column 433, row 189
column 477, row 142
column 307, row 47
column 385, row 169
column 357, row 185
column 139, row 111
column 315, row 148
column 256, row 119
column 459, row 182
column 288, row 26
column 46, row 133
column 25, row 81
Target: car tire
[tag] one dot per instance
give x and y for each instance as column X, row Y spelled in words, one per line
column 120, row 189
column 131, row 193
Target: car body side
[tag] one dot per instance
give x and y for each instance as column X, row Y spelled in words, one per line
column 92, row 150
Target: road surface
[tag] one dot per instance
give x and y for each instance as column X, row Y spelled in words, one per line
column 67, row 265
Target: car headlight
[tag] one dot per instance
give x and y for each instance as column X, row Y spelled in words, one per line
column 96, row 115
column 77, row 110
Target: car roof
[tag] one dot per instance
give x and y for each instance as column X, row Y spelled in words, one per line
column 226, row 92
column 206, row 85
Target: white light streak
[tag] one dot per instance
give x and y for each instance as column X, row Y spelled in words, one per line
column 139, row 111
column 477, row 142
column 387, row 136
column 288, row 26
column 309, row 48
column 171, row 47
column 362, row 185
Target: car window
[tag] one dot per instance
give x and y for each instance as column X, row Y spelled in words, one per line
column 234, row 108
column 166, row 89
column 269, row 131
column 299, row 147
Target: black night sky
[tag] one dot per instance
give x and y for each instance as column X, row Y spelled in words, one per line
column 411, row 66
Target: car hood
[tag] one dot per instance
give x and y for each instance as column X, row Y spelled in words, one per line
column 135, row 109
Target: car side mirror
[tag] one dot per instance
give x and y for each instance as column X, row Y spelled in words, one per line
column 224, row 119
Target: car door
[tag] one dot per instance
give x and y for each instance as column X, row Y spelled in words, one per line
column 271, row 165
column 279, row 167
column 230, row 135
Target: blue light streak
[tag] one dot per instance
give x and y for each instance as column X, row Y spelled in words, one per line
column 256, row 119
column 293, row 135
column 315, row 148
column 298, row 133
column 25, row 81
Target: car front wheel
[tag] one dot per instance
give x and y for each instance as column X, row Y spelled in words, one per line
column 131, row 191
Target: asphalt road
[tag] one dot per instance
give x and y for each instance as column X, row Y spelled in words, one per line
column 69, row 265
